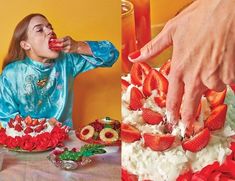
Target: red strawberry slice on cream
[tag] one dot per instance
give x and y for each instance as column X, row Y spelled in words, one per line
column 151, row 117
column 215, row 98
column 129, row 134
column 18, row 127
column 138, row 73
column 126, row 176
column 28, row 130
column 165, row 68
column 158, row 142
column 155, row 80
column 160, row 101
column 136, row 99
column 217, row 117
column 197, row 142
column 28, row 120
column 124, row 85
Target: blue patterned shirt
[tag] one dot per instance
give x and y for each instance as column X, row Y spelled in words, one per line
column 29, row 87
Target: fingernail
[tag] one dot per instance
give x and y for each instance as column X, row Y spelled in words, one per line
column 135, row 54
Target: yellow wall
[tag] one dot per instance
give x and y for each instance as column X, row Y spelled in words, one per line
column 97, row 93
column 161, row 12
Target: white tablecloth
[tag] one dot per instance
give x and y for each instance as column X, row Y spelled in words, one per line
column 36, row 167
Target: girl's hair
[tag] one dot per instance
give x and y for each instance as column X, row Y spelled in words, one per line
column 15, row 52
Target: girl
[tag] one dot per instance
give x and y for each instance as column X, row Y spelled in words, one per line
column 39, row 70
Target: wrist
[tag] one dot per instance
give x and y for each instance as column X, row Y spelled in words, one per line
column 83, row 48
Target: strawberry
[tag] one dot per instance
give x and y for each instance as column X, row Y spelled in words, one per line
column 165, row 68
column 197, row 142
column 28, row 130
column 35, row 122
column 215, row 98
column 126, row 176
column 151, row 117
column 18, row 118
column 124, row 85
column 155, row 80
column 158, row 142
column 129, row 133
column 42, row 122
column 136, row 99
column 233, row 87
column 28, row 120
column 160, row 101
column 217, row 118
column 39, row 128
column 10, row 123
column 138, row 73
column 18, row 127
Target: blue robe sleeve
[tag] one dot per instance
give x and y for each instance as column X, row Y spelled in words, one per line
column 8, row 105
column 104, row 55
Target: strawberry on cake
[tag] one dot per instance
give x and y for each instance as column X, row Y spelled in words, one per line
column 33, row 134
column 155, row 149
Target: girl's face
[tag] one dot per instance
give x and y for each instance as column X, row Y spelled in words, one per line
column 37, row 43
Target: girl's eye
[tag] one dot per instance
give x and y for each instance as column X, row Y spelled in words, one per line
column 39, row 30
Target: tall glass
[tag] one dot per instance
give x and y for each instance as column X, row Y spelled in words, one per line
column 128, row 34
column 142, row 21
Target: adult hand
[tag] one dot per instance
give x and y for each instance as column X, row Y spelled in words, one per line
column 68, row 45
column 203, row 39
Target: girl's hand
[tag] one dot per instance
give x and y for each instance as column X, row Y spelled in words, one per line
column 68, row 45
column 203, row 37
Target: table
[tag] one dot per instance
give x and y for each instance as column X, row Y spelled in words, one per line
column 36, row 167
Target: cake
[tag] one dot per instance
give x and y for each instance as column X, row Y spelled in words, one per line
column 33, row 134
column 153, row 148
column 104, row 131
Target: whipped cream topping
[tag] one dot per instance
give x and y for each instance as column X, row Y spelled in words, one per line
column 13, row 133
column 168, row 165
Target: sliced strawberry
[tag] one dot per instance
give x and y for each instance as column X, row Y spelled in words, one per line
column 28, row 120
column 28, row 130
column 165, row 68
column 233, row 87
column 215, row 98
column 217, row 118
column 155, row 80
column 18, row 127
column 124, row 85
column 42, row 122
column 10, row 123
column 158, row 142
column 136, row 99
column 18, row 118
column 126, row 176
column 198, row 142
column 160, row 101
column 35, row 122
column 138, row 73
column 151, row 117
column 39, row 128
column 129, row 133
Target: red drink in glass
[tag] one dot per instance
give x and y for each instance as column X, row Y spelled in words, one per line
column 142, row 21
column 128, row 34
